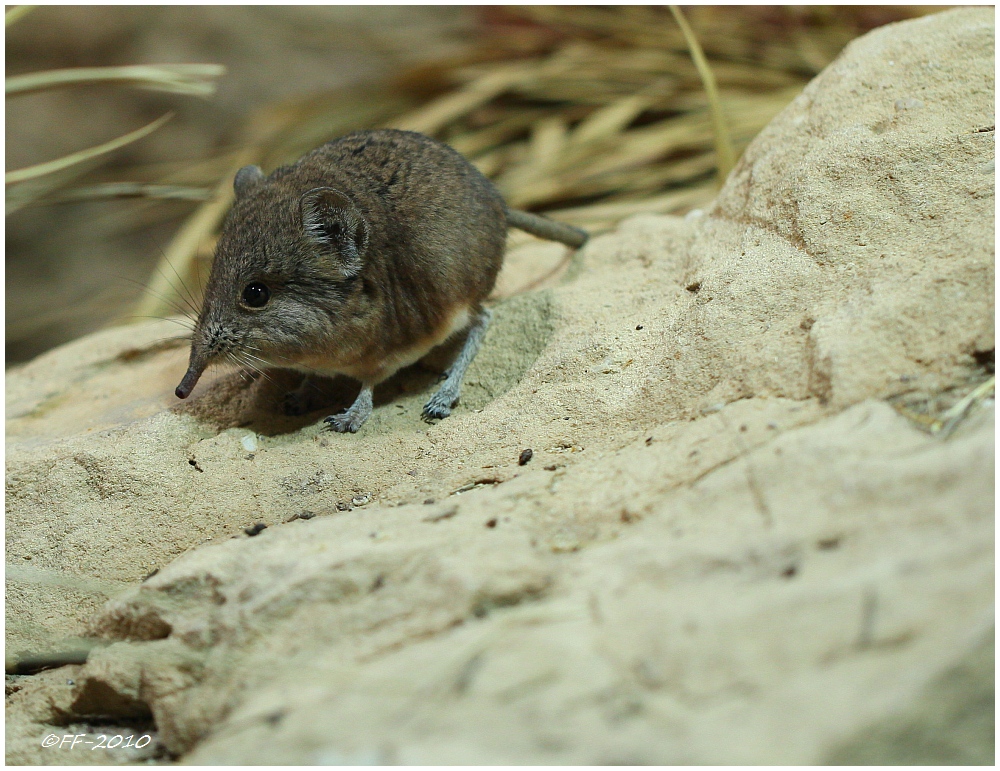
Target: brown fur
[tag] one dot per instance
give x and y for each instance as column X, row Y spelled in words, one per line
column 374, row 248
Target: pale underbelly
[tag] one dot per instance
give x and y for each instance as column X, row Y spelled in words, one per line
column 372, row 370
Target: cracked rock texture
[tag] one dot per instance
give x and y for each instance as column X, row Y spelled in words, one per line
column 728, row 546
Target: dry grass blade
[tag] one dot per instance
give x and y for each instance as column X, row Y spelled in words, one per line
column 187, row 79
column 518, row 120
column 547, row 144
column 723, row 145
column 613, row 111
column 49, row 167
column 286, row 131
column 17, row 13
column 434, row 116
column 26, row 193
column 950, row 420
column 612, row 212
column 35, row 188
column 616, row 116
column 131, row 190
column 940, row 413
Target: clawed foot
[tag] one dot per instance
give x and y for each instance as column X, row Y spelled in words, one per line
column 351, row 420
column 344, row 423
column 439, row 405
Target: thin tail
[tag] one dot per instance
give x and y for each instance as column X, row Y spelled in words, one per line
column 546, row 228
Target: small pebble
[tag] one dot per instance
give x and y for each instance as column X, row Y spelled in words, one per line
column 491, row 522
column 254, row 529
column 638, row 327
column 342, row 506
column 908, row 104
column 525, row 456
column 307, row 514
column 249, row 442
column 448, row 513
column 361, row 500
column 275, row 717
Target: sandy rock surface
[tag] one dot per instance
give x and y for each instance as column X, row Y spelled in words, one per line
column 727, row 546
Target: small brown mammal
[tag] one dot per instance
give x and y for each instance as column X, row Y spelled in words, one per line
column 357, row 260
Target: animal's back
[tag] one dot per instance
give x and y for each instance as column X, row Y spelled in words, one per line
column 441, row 220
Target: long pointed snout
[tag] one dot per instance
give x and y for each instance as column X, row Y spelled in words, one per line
column 190, row 378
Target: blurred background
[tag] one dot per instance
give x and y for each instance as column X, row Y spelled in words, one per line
column 587, row 113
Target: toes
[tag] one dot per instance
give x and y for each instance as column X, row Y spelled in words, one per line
column 436, row 409
column 343, row 424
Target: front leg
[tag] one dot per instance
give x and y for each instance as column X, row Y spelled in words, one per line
column 440, row 403
column 356, row 414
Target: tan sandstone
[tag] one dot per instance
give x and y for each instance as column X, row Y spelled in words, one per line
column 729, row 547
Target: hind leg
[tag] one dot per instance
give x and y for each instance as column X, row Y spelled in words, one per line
column 297, row 402
column 446, row 397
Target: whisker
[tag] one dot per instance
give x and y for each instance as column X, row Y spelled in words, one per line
column 241, row 368
column 186, row 322
column 175, row 337
column 186, row 313
column 197, row 268
column 154, row 342
column 241, row 356
column 248, row 355
column 259, row 369
column 189, row 300
column 298, row 365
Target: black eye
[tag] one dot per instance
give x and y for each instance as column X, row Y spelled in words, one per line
column 256, row 295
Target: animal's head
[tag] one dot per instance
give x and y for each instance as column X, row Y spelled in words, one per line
column 288, row 258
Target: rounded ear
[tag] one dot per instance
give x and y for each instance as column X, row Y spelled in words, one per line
column 246, row 178
column 332, row 221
